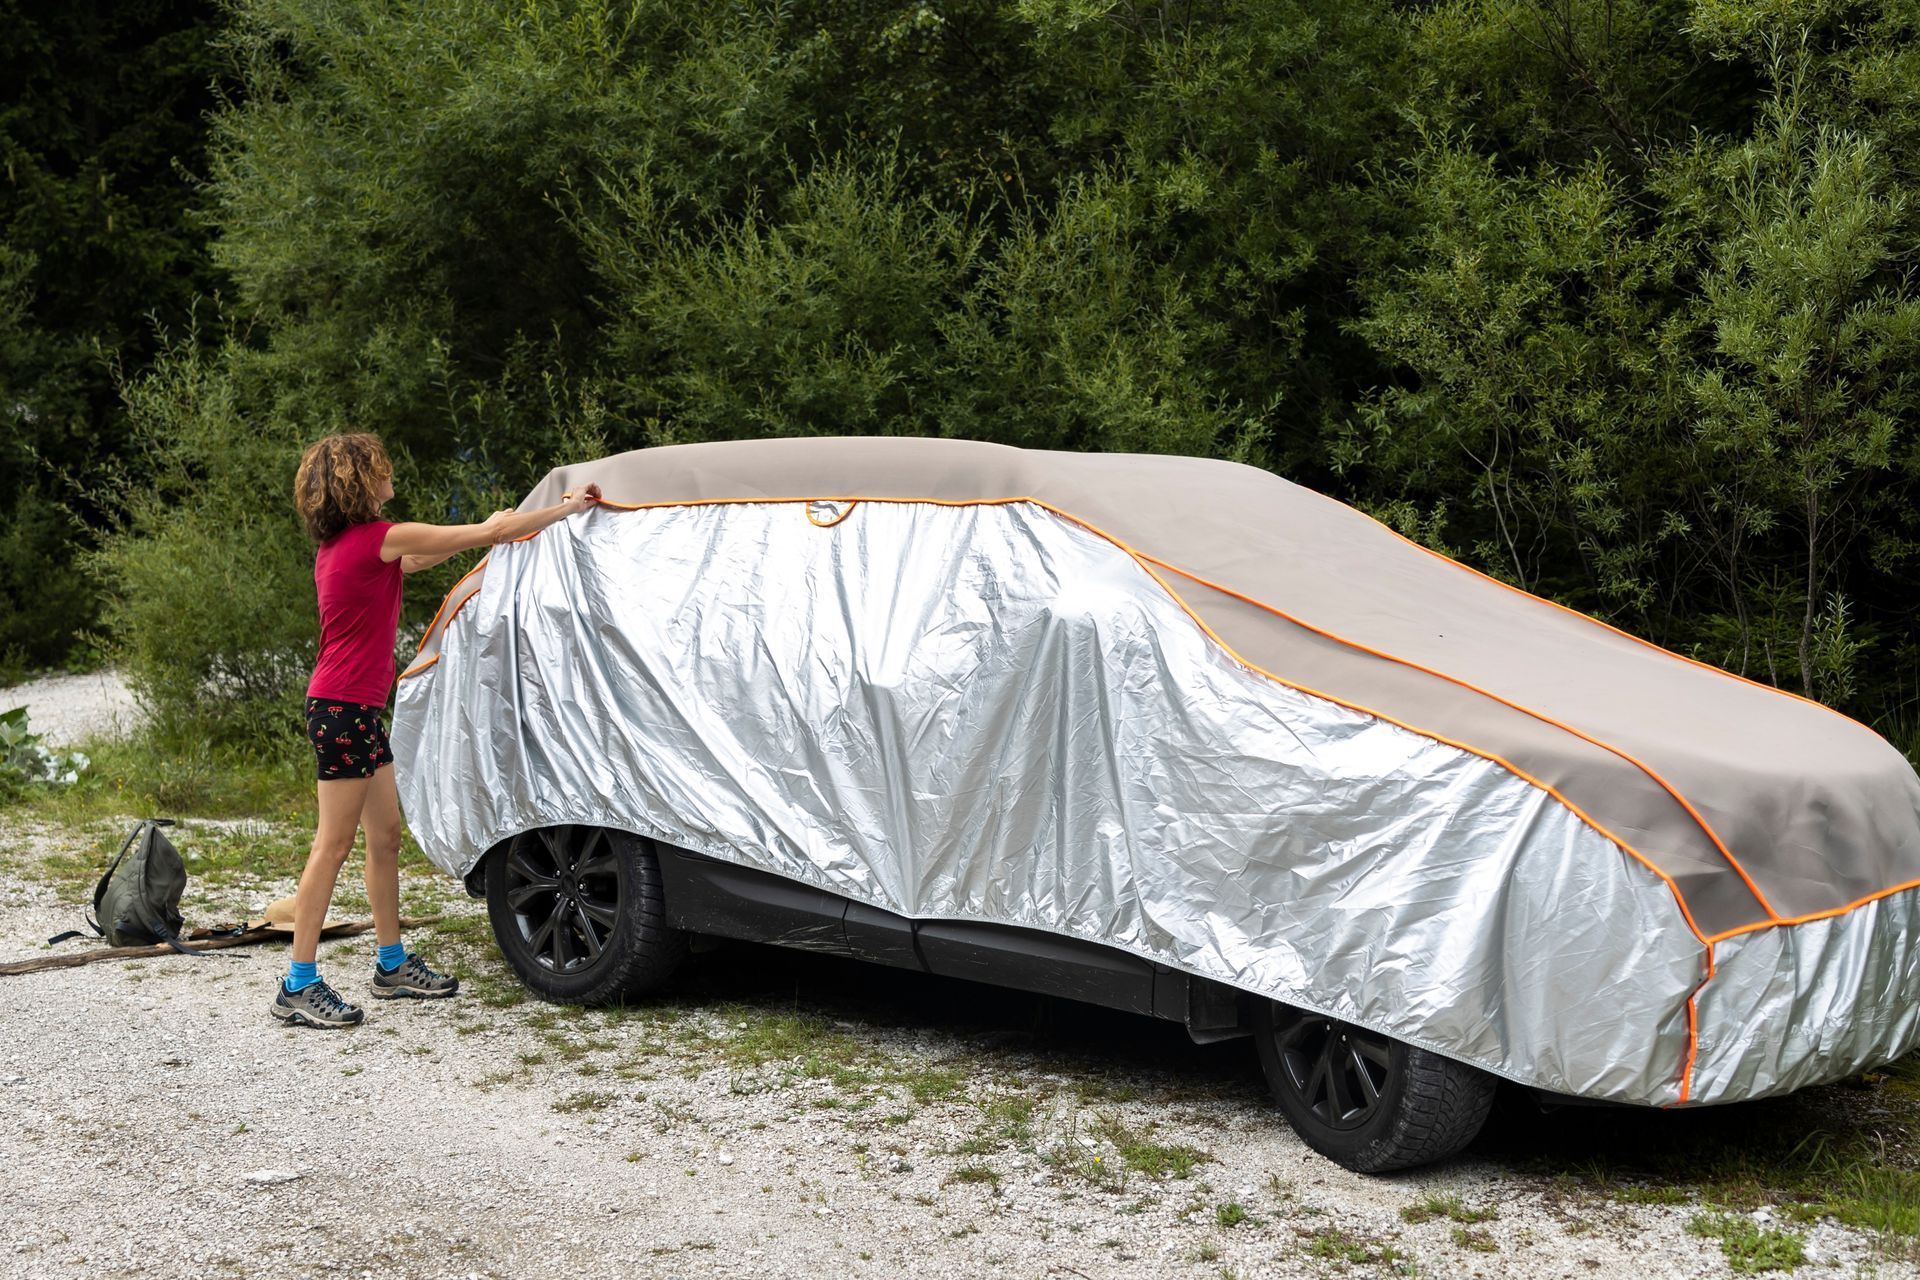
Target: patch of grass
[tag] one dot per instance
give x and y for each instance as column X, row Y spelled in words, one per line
column 1011, row 1118
column 1749, row 1247
column 584, row 1100
column 1230, row 1214
column 930, row 1084
column 1100, row 1089
column 1141, row 1153
column 1334, row 1245
column 1073, row 1155
column 788, row 1037
column 1478, row 1241
column 1448, row 1206
column 975, row 1173
column 467, row 930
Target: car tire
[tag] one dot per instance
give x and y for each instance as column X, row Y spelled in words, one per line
column 1365, row 1100
column 579, row 914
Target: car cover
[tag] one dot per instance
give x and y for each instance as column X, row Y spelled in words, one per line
column 1188, row 709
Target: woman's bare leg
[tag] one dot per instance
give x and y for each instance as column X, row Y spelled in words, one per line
column 380, row 819
column 341, row 800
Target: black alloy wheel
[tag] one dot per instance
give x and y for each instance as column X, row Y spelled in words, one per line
column 564, row 891
column 579, row 915
column 1337, row 1071
column 1363, row 1099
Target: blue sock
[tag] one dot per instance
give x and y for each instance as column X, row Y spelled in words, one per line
column 302, row 974
column 392, row 957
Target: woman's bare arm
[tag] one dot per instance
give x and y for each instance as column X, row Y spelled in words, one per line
column 435, row 542
column 414, row 564
column 429, row 544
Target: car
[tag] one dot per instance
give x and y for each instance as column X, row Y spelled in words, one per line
column 1171, row 735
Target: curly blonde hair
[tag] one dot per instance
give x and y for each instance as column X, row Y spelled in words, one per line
column 338, row 484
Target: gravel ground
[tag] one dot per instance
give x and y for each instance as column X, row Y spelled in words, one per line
column 66, row 710
column 783, row 1115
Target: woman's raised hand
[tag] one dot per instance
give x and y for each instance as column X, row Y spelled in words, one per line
column 582, row 498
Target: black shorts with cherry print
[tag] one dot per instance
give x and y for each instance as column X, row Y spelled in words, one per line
column 348, row 738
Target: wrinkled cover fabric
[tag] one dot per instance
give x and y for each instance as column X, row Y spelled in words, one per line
column 992, row 713
column 1759, row 806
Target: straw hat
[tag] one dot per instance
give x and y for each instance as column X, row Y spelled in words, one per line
column 278, row 918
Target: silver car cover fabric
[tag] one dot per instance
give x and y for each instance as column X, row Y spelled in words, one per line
column 990, row 713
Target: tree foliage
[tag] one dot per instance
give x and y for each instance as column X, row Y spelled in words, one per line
column 101, row 128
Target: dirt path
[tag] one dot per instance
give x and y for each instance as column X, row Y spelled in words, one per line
column 66, row 710
column 781, row 1116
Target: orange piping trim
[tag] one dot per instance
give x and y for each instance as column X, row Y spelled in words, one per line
column 1635, row 761
column 816, row 497
column 1606, row 626
column 1693, row 1042
column 428, row 633
column 1812, row 916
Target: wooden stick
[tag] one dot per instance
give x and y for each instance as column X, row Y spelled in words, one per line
column 204, row 940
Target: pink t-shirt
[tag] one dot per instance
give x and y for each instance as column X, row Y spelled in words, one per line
column 359, row 615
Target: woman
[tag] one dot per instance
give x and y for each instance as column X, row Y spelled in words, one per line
column 342, row 483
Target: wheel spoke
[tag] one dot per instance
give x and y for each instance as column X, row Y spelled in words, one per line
column 562, row 939
column 1376, row 1051
column 1317, row 1086
column 1295, row 1032
column 1339, row 1096
column 518, row 898
column 518, row 865
column 537, row 941
column 599, row 912
column 1363, row 1076
column 587, row 935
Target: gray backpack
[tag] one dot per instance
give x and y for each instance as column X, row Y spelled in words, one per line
column 137, row 902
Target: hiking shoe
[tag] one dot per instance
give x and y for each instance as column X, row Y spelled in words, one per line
column 412, row 981
column 314, row 1005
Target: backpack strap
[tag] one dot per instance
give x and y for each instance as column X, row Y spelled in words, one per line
column 113, row 866
column 172, row 939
